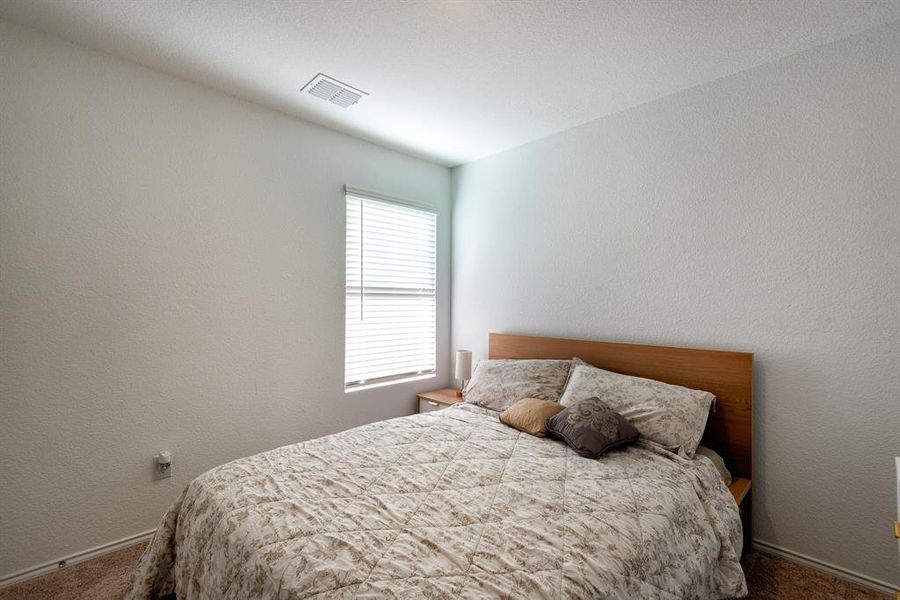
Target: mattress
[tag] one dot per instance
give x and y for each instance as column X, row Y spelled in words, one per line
column 448, row 504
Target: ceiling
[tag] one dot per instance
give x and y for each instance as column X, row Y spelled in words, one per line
column 452, row 81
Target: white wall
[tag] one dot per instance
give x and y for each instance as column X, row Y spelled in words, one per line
column 172, row 277
column 760, row 212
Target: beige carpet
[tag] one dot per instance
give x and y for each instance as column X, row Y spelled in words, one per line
column 104, row 578
column 107, row 578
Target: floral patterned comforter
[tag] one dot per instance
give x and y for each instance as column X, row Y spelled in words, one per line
column 448, row 504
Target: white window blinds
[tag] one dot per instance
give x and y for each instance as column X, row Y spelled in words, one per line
column 390, row 291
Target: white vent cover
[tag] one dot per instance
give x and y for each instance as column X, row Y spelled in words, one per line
column 330, row 89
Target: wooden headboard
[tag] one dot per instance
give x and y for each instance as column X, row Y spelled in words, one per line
column 728, row 375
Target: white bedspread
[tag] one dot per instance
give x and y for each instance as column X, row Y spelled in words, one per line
column 448, row 504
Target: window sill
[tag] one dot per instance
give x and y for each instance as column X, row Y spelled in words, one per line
column 370, row 386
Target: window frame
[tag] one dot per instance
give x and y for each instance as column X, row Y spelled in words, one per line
column 363, row 195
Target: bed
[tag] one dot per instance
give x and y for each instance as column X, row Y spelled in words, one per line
column 454, row 504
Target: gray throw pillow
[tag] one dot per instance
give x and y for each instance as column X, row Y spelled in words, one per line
column 591, row 427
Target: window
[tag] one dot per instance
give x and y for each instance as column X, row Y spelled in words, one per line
column 390, row 291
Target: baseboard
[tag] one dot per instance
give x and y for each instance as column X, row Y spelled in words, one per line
column 74, row 559
column 840, row 572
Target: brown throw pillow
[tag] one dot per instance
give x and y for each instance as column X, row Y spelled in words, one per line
column 591, row 427
column 530, row 415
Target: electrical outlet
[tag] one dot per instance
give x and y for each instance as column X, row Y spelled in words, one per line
column 162, row 465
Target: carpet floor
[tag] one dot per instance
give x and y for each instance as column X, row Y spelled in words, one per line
column 107, row 578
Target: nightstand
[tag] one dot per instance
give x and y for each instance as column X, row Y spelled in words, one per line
column 739, row 489
column 438, row 399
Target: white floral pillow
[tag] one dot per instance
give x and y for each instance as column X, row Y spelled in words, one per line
column 670, row 415
column 498, row 384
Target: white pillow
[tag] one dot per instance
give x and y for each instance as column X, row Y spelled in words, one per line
column 717, row 461
column 670, row 415
column 498, row 384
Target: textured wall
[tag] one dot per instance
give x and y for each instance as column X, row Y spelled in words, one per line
column 172, row 277
column 760, row 213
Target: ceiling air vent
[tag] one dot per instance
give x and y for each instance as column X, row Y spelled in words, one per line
column 332, row 90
